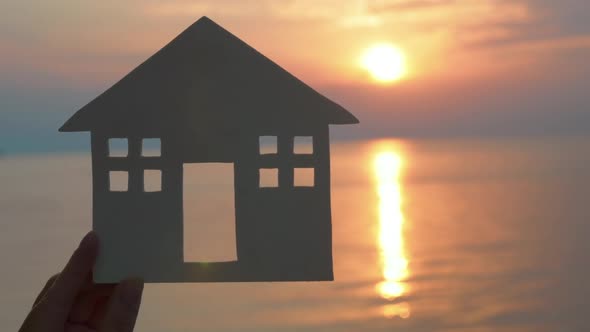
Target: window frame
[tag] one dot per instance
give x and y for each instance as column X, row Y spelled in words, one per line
column 286, row 161
column 134, row 163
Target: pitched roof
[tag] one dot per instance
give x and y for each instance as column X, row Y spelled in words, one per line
column 206, row 77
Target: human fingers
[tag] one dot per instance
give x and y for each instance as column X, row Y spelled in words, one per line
column 88, row 301
column 123, row 307
column 43, row 291
column 72, row 279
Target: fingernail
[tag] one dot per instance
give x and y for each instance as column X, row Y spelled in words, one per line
column 131, row 290
column 88, row 240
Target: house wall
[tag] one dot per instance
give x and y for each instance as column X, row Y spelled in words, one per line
column 140, row 232
column 284, row 233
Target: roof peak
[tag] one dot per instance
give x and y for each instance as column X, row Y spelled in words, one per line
column 206, row 74
column 205, row 19
column 205, row 22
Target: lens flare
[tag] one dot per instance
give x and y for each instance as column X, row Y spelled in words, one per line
column 401, row 310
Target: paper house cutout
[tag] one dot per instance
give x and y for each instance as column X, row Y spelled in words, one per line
column 208, row 97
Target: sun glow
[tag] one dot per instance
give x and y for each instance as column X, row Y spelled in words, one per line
column 387, row 166
column 385, row 63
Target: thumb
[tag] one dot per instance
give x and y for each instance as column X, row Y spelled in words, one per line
column 123, row 307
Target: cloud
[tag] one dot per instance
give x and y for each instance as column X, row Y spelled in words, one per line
column 488, row 24
column 381, row 6
column 91, row 44
column 566, row 17
column 434, row 32
column 196, row 9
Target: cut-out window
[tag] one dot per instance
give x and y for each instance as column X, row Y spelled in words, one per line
column 303, row 145
column 151, row 147
column 118, row 181
column 268, row 145
column 303, row 177
column 118, row 147
column 269, row 178
column 152, row 180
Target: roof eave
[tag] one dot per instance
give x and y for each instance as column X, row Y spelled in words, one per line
column 73, row 125
column 342, row 116
column 70, row 129
column 345, row 119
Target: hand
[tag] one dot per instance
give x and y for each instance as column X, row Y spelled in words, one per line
column 71, row 302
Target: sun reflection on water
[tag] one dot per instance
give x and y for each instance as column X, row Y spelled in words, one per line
column 388, row 164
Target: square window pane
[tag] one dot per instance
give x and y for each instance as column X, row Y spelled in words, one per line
column 118, row 181
column 267, row 145
column 303, row 177
column 269, row 178
column 152, row 180
column 151, row 147
column 118, row 147
column 303, row 145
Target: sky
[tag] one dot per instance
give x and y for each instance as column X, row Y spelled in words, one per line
column 474, row 68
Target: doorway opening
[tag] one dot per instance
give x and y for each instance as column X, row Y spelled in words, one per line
column 209, row 213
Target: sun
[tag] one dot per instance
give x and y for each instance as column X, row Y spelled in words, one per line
column 385, row 62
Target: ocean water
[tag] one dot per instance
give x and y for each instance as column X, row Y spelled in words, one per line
column 453, row 235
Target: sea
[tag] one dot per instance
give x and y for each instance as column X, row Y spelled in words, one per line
column 429, row 235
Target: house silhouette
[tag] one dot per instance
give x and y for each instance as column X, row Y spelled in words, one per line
column 208, row 97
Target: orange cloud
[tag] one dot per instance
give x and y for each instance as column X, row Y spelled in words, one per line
column 319, row 40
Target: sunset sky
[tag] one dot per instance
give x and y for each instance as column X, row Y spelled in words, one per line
column 472, row 67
